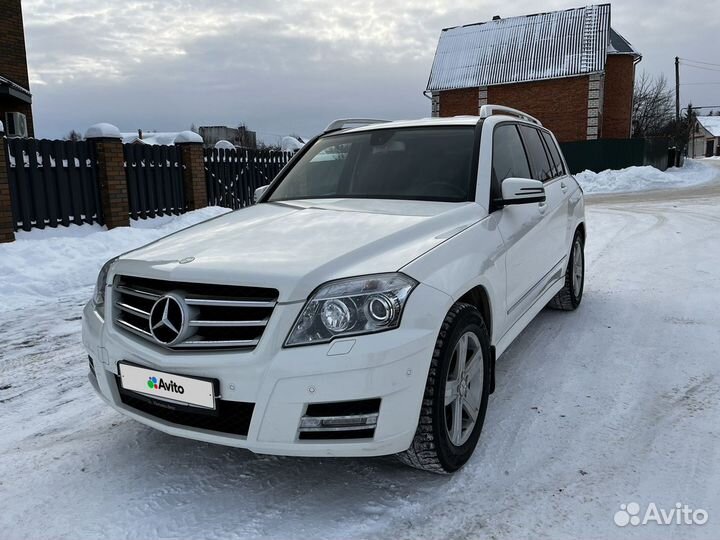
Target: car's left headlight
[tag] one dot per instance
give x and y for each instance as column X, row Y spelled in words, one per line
column 352, row 306
column 100, row 286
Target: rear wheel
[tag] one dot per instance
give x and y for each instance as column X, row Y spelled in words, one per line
column 456, row 394
column 569, row 297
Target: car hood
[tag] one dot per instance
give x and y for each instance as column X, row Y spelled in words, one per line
column 295, row 246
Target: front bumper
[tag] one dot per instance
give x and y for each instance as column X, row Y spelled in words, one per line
column 281, row 383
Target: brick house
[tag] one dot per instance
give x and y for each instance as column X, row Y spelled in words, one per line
column 15, row 94
column 568, row 68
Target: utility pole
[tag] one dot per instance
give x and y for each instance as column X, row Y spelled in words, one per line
column 677, row 89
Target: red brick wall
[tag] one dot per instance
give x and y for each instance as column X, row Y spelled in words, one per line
column 617, row 109
column 13, row 59
column 13, row 62
column 462, row 101
column 560, row 104
column 6, row 221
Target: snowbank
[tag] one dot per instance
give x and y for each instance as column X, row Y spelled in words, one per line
column 646, row 178
column 43, row 265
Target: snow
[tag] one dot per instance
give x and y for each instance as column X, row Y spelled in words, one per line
column 695, row 172
column 291, row 144
column 617, row 402
column 188, row 137
column 44, row 265
column 150, row 137
column 224, row 145
column 103, row 131
column 710, row 123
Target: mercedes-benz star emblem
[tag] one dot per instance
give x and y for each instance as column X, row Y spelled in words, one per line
column 168, row 320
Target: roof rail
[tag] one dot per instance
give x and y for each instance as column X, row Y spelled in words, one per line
column 489, row 110
column 343, row 123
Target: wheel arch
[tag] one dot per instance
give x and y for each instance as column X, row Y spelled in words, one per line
column 479, row 298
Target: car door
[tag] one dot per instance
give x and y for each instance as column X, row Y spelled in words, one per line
column 520, row 225
column 557, row 189
column 555, row 206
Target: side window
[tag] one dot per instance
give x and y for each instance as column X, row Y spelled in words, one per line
column 539, row 163
column 509, row 159
column 554, row 154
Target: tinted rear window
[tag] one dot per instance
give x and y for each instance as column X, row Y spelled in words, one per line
column 554, row 154
column 539, row 163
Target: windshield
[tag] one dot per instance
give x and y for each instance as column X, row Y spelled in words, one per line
column 410, row 163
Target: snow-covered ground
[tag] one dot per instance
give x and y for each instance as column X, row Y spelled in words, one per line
column 615, row 403
column 695, row 172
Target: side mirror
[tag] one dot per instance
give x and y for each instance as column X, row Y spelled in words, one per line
column 522, row 191
column 259, row 192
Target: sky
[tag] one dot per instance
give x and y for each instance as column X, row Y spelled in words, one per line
column 285, row 67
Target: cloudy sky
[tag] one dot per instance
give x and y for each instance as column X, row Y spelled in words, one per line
column 291, row 66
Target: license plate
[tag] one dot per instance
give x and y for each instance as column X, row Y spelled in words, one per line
column 168, row 387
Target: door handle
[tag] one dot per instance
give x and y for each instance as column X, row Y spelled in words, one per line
column 542, row 206
column 563, row 186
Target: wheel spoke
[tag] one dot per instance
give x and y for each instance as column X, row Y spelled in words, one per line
column 475, row 365
column 456, row 433
column 471, row 409
column 461, row 355
column 451, row 392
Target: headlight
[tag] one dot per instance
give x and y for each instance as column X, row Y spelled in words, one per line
column 352, row 306
column 100, row 285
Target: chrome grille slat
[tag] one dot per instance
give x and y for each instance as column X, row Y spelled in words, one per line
column 133, row 310
column 137, row 292
column 223, row 317
column 230, row 303
column 222, row 343
column 221, row 324
column 134, row 329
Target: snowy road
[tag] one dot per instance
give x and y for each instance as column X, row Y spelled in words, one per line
column 615, row 403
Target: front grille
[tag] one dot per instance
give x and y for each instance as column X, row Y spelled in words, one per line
column 218, row 316
column 229, row 416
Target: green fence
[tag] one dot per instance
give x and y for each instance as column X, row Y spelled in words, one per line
column 604, row 154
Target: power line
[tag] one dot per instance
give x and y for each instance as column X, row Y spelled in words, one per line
column 699, row 62
column 699, row 67
column 698, row 83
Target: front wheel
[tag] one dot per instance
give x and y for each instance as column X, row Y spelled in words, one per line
column 568, row 298
column 456, row 394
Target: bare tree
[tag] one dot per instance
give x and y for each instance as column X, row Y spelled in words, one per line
column 74, row 136
column 653, row 104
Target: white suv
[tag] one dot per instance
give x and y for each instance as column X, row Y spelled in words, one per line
column 359, row 307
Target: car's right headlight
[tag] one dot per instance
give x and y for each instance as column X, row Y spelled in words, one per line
column 352, row 306
column 100, row 286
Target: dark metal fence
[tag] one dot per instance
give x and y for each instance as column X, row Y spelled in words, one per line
column 52, row 183
column 155, row 180
column 602, row 154
column 234, row 175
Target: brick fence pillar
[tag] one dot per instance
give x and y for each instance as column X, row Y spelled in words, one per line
column 111, row 174
column 193, row 165
column 7, row 231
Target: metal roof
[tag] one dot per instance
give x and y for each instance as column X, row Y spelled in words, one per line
column 518, row 49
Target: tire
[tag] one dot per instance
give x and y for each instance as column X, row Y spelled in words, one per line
column 569, row 297
column 439, row 447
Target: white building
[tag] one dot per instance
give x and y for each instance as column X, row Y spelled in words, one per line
column 706, row 137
